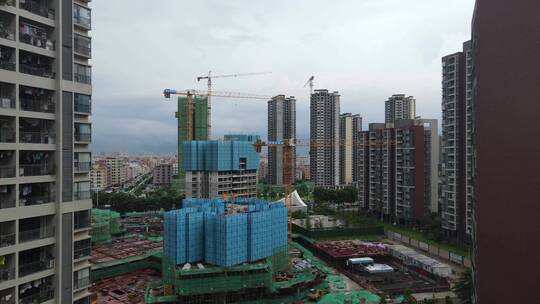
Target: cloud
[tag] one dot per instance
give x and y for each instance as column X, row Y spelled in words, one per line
column 367, row 50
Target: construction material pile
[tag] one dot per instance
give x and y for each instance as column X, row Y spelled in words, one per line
column 353, row 248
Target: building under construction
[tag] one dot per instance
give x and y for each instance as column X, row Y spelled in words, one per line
column 215, row 168
column 193, row 123
column 224, row 233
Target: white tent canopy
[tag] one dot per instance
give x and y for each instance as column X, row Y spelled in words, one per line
column 296, row 202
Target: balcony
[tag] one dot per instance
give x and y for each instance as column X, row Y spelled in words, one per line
column 8, row 2
column 36, row 65
column 7, row 270
column 7, row 57
column 81, row 283
column 42, row 296
column 82, row 249
column 7, row 129
column 7, row 296
column 81, row 221
column 83, row 167
column 35, row 260
column 35, row 234
column 35, row 194
column 36, row 131
column 82, row 46
column 7, row 95
column 83, row 133
column 36, row 35
column 38, row 8
column 36, row 169
column 36, row 100
column 7, row 240
column 7, row 234
column 83, row 74
column 83, row 103
column 82, row 195
column 7, row 164
column 7, row 26
column 82, row 17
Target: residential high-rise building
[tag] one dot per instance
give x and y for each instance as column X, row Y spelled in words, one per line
column 99, row 176
column 162, row 175
column 398, row 169
column 456, row 162
column 218, row 168
column 281, row 126
column 324, row 135
column 399, row 106
column 117, row 170
column 506, row 92
column 349, row 126
column 45, row 130
column 199, row 126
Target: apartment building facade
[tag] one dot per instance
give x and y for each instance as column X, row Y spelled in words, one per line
column 399, row 106
column 281, row 126
column 45, row 130
column 456, row 145
column 349, row 126
column 396, row 163
column 162, row 175
column 100, row 176
column 324, row 135
column 506, row 92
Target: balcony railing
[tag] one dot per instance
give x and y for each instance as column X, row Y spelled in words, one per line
column 6, row 202
column 7, row 240
column 87, row 79
column 7, row 274
column 81, row 283
column 36, row 71
column 81, row 253
column 36, row 199
column 35, row 234
column 38, row 9
column 40, row 297
column 7, row 135
column 7, row 171
column 82, row 166
column 36, row 137
column 81, row 195
column 36, row 105
column 7, row 102
column 36, row 170
column 83, row 137
column 7, row 65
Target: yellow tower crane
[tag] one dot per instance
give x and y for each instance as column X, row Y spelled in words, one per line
column 190, row 106
column 209, row 78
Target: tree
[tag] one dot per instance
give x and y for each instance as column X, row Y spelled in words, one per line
column 408, row 298
column 464, row 287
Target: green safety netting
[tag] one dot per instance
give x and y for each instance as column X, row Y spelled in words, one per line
column 105, row 224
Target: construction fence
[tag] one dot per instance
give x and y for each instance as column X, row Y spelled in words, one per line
column 446, row 255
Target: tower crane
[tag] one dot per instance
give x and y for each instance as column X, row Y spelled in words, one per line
column 190, row 106
column 310, row 83
column 209, row 78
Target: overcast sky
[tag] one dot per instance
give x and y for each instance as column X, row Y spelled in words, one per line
column 365, row 49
